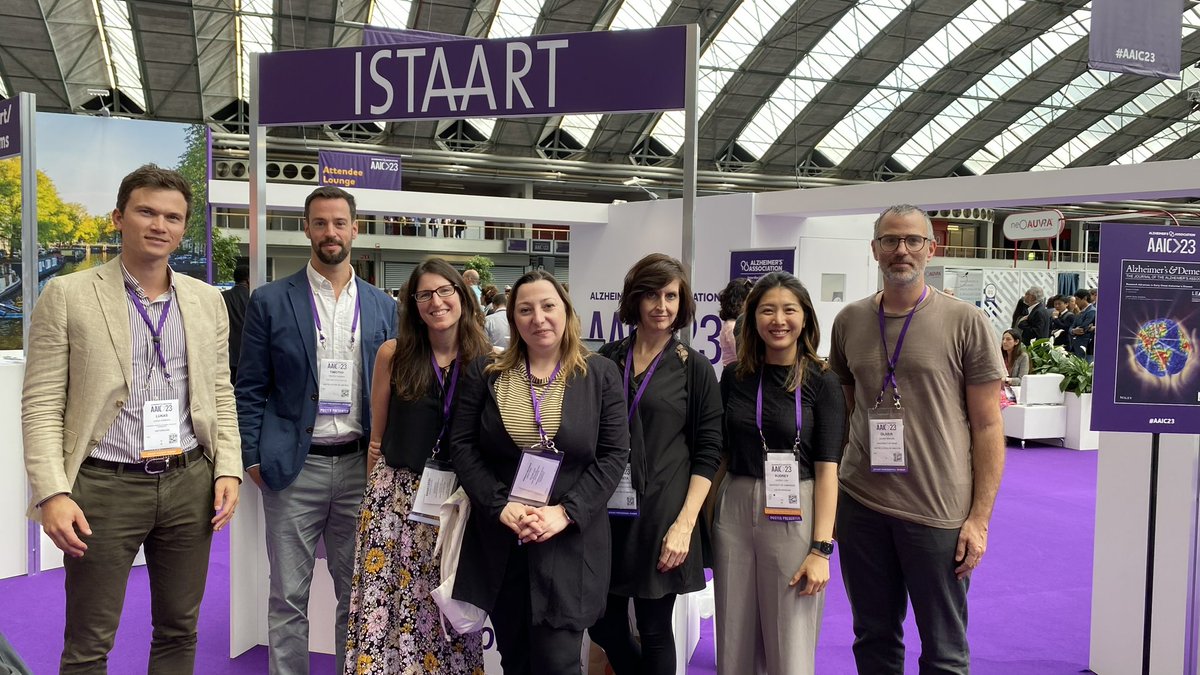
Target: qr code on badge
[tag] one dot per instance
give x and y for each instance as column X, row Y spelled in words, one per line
column 793, row 499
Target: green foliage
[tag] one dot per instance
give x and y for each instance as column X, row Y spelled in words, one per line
column 193, row 164
column 226, row 250
column 483, row 265
column 59, row 222
column 1045, row 358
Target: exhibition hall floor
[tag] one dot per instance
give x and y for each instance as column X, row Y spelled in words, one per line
column 1029, row 601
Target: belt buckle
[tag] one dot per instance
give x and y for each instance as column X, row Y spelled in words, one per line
column 166, row 464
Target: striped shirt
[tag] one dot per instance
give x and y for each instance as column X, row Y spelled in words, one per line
column 516, row 408
column 123, row 441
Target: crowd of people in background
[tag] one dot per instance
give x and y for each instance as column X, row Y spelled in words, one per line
column 595, row 487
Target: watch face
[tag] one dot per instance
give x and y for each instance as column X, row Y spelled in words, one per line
column 825, row 547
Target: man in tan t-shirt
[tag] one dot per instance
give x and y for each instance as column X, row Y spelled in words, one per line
column 913, row 515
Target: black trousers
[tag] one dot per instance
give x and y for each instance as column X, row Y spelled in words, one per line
column 525, row 648
column 656, row 653
column 885, row 562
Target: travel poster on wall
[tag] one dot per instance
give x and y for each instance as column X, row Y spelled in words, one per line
column 1147, row 372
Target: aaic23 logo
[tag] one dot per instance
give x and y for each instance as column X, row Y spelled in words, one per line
column 1182, row 243
column 1126, row 54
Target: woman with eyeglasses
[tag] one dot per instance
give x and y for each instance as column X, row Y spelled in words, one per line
column 394, row 622
column 773, row 531
column 674, row 415
column 539, row 442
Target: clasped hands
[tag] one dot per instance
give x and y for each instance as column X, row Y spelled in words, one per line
column 533, row 524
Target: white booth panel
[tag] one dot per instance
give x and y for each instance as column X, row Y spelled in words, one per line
column 14, row 492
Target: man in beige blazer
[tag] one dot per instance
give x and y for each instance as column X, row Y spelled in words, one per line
column 130, row 429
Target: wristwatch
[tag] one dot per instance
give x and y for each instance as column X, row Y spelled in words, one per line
column 824, row 548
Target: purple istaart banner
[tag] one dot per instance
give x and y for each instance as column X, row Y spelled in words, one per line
column 1140, row 37
column 10, row 128
column 594, row 72
column 375, row 37
column 758, row 262
column 1147, row 371
column 355, row 170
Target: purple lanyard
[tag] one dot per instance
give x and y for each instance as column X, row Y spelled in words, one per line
column 894, row 359
column 448, row 396
column 312, row 298
column 537, row 403
column 637, row 398
column 758, row 408
column 155, row 333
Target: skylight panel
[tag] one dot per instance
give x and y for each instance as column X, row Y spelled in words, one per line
column 814, row 72
column 389, row 13
column 515, row 18
column 994, row 86
column 120, row 51
column 632, row 15
column 970, row 25
column 735, row 41
column 3, row 90
column 1040, row 116
column 1113, row 123
column 253, row 27
column 1161, row 141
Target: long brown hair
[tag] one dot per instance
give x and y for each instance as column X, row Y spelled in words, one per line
column 411, row 371
column 649, row 275
column 752, row 352
column 1011, row 358
column 571, row 350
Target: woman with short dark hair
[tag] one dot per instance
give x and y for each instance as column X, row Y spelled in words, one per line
column 674, row 412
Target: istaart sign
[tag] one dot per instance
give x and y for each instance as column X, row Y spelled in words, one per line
column 1034, row 225
column 10, row 128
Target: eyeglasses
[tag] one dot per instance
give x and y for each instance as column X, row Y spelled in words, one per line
column 442, row 292
column 912, row 242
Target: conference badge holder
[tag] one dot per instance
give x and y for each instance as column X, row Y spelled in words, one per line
column 534, row 482
column 161, row 437
column 781, row 479
column 438, row 482
column 335, row 381
column 624, row 502
column 887, row 440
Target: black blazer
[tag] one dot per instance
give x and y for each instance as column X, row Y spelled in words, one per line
column 569, row 574
column 1037, row 324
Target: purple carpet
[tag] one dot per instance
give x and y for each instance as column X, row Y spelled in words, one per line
column 1030, row 599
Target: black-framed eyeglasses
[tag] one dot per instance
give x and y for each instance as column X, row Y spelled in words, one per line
column 442, row 292
column 913, row 242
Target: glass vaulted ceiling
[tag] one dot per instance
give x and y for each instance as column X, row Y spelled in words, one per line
column 120, row 50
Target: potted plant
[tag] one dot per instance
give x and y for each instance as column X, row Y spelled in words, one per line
column 1076, row 384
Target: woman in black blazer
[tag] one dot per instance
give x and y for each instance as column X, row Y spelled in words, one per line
column 540, row 571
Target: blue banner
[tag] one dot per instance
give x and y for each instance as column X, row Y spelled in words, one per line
column 1139, row 37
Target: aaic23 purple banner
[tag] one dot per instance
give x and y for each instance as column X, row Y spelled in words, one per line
column 1147, row 372
column 755, row 263
column 594, row 72
column 1140, row 37
column 10, row 128
column 356, row 170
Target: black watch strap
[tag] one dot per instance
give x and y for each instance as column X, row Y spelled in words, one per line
column 825, row 548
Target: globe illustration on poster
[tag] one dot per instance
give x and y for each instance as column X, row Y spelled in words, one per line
column 1162, row 348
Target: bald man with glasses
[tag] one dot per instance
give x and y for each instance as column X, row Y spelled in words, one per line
column 920, row 372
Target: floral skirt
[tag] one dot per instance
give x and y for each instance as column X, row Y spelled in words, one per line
column 394, row 626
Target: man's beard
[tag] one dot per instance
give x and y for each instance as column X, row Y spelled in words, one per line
column 332, row 258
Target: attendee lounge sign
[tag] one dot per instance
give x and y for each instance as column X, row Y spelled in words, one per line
column 356, row 170
column 755, row 263
column 1147, row 371
column 601, row 71
column 1033, row 225
column 10, row 128
column 1141, row 37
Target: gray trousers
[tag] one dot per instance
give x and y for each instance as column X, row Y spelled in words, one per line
column 763, row 625
column 886, row 562
column 322, row 502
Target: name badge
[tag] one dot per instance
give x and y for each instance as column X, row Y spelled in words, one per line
column 438, row 482
column 887, row 440
column 623, row 501
column 335, row 386
column 160, row 429
column 535, row 477
column 781, row 479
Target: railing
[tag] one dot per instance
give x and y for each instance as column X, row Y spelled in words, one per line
column 985, row 253
column 405, row 227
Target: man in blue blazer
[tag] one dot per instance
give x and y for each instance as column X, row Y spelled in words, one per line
column 303, row 399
